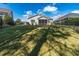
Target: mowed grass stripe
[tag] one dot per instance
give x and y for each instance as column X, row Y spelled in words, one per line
column 4, row 42
column 15, row 51
column 12, row 33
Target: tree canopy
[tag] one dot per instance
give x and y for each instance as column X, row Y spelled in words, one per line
column 18, row 21
column 8, row 20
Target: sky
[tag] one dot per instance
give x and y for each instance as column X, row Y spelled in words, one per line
column 53, row 10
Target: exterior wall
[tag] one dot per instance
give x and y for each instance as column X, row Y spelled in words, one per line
column 50, row 22
column 34, row 18
column 39, row 17
column 35, row 23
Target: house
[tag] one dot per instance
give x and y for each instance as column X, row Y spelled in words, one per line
column 4, row 12
column 67, row 19
column 40, row 20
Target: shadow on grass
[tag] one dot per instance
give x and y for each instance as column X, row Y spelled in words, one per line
column 39, row 44
column 55, row 32
column 12, row 35
column 35, row 37
column 62, row 48
column 12, row 48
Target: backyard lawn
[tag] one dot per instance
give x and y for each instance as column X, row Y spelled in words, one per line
column 42, row 41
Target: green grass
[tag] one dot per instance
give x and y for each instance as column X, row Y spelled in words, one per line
column 12, row 35
column 48, row 40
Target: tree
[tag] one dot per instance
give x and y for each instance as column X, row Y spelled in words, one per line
column 18, row 21
column 8, row 20
column 1, row 22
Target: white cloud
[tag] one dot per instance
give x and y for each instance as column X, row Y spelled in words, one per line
column 39, row 11
column 75, row 11
column 24, row 15
column 50, row 9
column 29, row 12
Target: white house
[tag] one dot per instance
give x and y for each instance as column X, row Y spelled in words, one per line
column 40, row 20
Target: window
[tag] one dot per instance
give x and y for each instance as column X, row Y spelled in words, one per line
column 42, row 22
column 45, row 21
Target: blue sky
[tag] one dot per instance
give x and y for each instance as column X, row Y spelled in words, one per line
column 22, row 10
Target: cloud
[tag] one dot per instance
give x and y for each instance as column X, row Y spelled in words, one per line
column 39, row 11
column 24, row 15
column 75, row 11
column 29, row 12
column 50, row 9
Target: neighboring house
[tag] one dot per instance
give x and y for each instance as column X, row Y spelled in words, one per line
column 70, row 15
column 40, row 20
column 63, row 18
column 4, row 12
